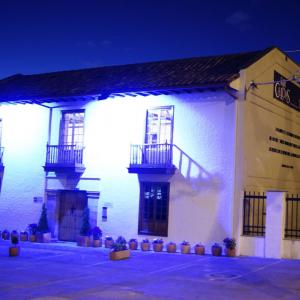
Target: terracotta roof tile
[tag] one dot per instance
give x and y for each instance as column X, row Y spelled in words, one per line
column 161, row 75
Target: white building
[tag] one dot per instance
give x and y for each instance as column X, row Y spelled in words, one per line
column 193, row 149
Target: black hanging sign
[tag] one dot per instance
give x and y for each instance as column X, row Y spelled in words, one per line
column 286, row 91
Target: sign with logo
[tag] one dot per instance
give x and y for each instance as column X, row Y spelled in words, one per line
column 286, row 91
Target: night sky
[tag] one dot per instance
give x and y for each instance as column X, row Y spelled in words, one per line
column 44, row 36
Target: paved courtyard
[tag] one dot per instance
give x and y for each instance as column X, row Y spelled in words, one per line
column 65, row 271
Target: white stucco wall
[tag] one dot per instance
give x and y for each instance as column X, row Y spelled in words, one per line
column 24, row 137
column 200, row 207
column 200, row 200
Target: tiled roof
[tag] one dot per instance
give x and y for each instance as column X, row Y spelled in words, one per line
column 152, row 76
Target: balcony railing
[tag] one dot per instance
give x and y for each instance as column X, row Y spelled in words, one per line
column 152, row 158
column 63, row 157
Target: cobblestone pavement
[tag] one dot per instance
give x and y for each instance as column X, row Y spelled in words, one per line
column 65, row 271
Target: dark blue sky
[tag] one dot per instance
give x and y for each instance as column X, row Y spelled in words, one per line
column 42, row 36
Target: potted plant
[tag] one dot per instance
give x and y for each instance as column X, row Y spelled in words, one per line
column 185, row 247
column 5, row 234
column 24, row 236
column 32, row 229
column 14, row 250
column 43, row 231
column 171, row 247
column 230, row 247
column 158, row 245
column 14, row 233
column 97, row 236
column 84, row 239
column 133, row 244
column 145, row 245
column 119, row 250
column 199, row 249
column 108, row 242
column 216, row 250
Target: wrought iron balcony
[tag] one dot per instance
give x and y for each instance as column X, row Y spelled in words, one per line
column 64, row 158
column 151, row 159
column 1, row 159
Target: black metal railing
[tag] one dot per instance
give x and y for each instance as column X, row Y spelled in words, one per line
column 292, row 217
column 254, row 218
column 64, row 154
column 151, row 154
column 1, row 155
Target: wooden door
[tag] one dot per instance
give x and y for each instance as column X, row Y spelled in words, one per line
column 72, row 204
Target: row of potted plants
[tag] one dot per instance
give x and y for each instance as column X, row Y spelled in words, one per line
column 171, row 247
column 120, row 250
column 35, row 232
column 157, row 245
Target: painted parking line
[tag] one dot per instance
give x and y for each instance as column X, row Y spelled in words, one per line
column 177, row 267
column 256, row 270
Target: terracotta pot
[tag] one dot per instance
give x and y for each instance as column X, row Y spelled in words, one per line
column 200, row 250
column 14, row 251
column 118, row 255
column 230, row 252
column 97, row 243
column 32, row 238
column 158, row 247
column 24, row 237
column 133, row 245
column 5, row 235
column 108, row 243
column 185, row 249
column 145, row 246
column 216, row 250
column 84, row 241
column 43, row 237
column 171, row 248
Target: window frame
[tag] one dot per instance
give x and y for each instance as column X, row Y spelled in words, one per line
column 62, row 127
column 158, row 230
column 172, row 107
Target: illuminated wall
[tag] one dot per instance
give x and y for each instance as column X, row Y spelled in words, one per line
column 200, row 196
column 269, row 161
column 24, row 136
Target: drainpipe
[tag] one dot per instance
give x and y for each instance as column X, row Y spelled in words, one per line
column 49, row 125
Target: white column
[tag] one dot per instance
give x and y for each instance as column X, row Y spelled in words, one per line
column 275, row 208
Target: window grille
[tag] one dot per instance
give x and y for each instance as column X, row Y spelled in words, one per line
column 292, row 218
column 254, row 217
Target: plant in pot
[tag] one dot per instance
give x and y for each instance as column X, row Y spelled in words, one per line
column 97, row 236
column 84, row 238
column 108, row 242
column 145, row 245
column 119, row 249
column 43, row 231
column 185, row 247
column 230, row 247
column 199, row 249
column 24, row 236
column 171, row 247
column 32, row 229
column 14, row 233
column 5, row 234
column 158, row 245
column 14, row 250
column 216, row 249
column 133, row 244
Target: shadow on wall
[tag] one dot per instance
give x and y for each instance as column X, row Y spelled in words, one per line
column 194, row 174
column 203, row 190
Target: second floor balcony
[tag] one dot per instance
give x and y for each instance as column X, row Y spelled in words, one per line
column 151, row 159
column 64, row 158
